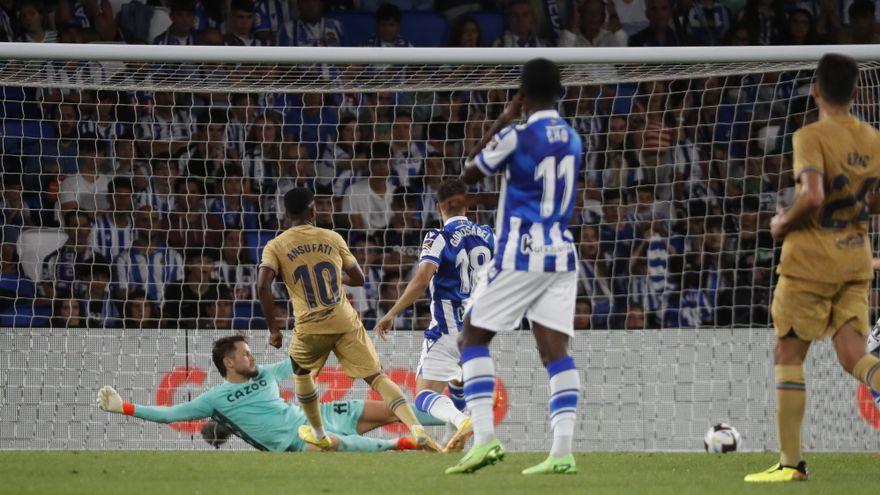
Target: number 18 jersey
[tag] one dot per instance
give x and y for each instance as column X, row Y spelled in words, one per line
column 310, row 260
column 459, row 249
column 540, row 162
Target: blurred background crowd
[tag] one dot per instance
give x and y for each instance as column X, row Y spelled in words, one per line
column 150, row 208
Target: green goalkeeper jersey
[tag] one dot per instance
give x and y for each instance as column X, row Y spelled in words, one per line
column 253, row 410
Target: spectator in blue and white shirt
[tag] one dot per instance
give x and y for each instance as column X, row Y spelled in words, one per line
column 63, row 268
column 149, row 265
column 64, row 150
column 240, row 25
column 522, row 27
column 234, row 269
column 708, row 22
column 113, row 231
column 336, row 167
column 262, row 154
column 595, row 280
column 435, row 170
column 181, row 31
column 232, row 207
column 209, row 17
column 312, row 28
column 34, row 23
column 109, row 121
column 272, row 16
column 408, row 154
column 166, row 129
column 159, row 194
column 388, row 28
column 311, row 121
column 98, row 306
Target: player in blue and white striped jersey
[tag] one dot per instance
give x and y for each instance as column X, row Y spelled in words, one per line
column 451, row 255
column 535, row 269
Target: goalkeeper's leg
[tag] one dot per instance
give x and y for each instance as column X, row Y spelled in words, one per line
column 358, row 358
column 357, row 443
column 376, row 415
column 397, row 403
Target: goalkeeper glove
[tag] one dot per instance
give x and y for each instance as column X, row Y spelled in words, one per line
column 110, row 401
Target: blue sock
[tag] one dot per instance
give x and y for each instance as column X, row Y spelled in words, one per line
column 479, row 390
column 357, row 443
column 438, row 408
column 456, row 394
column 565, row 388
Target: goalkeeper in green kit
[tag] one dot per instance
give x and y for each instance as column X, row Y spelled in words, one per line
column 248, row 403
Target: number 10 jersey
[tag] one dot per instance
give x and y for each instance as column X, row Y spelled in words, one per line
column 310, row 260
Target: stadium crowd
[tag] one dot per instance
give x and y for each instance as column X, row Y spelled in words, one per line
column 161, row 201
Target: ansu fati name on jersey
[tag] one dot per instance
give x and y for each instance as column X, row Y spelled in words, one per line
column 309, row 248
column 539, row 161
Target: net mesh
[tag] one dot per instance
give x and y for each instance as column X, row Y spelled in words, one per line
column 141, row 194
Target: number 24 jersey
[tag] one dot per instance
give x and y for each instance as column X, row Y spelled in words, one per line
column 832, row 245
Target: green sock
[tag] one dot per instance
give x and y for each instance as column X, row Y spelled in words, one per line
column 427, row 420
column 357, row 443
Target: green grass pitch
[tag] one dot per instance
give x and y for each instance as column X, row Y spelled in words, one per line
column 242, row 473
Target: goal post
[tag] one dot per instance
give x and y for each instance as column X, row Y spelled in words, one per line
column 140, row 183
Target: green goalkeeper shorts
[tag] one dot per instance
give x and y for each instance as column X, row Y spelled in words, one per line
column 340, row 418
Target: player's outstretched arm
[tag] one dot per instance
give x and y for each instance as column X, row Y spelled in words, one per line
column 810, row 199
column 109, row 400
column 414, row 290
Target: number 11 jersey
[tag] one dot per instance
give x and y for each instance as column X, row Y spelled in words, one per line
column 310, row 260
column 460, row 249
column 539, row 161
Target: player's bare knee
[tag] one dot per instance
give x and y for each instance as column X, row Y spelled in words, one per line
column 850, row 347
column 790, row 350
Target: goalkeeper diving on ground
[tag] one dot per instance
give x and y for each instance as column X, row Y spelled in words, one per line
column 249, row 404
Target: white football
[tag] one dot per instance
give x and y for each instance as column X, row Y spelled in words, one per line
column 721, row 439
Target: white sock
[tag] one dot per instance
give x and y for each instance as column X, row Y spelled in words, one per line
column 439, row 406
column 479, row 391
column 565, row 387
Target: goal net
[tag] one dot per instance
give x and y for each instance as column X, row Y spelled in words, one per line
column 139, row 185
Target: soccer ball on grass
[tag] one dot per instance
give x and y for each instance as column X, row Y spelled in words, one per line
column 721, row 439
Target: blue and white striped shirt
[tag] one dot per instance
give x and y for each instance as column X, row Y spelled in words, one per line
column 540, row 161
column 154, row 127
column 460, row 249
column 108, row 239
column 150, row 271
column 171, row 39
